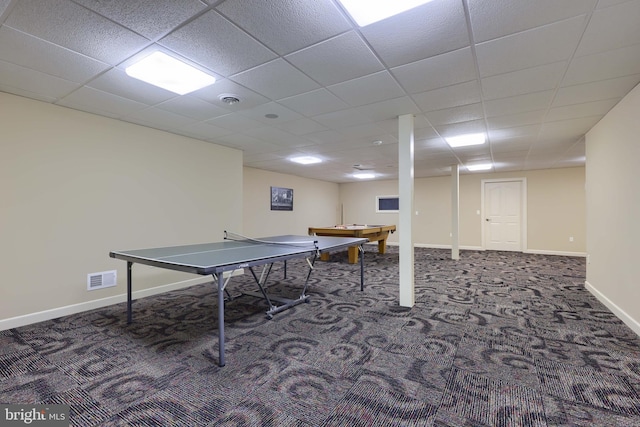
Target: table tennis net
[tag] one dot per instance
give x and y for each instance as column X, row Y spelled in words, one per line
column 228, row 235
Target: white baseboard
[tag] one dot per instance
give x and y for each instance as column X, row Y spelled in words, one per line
column 620, row 313
column 480, row 248
column 561, row 253
column 436, row 246
column 28, row 319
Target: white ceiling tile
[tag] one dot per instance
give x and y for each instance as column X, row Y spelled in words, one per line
column 543, row 45
column 214, row 42
column 599, row 90
column 342, row 119
column 521, row 131
column 204, row 131
column 436, row 72
column 98, row 102
column 602, row 66
column 287, row 25
column 541, row 149
column 252, row 158
column 455, row 129
column 390, row 109
column 314, row 103
column 30, row 52
column 440, row 27
column 432, row 145
column 139, row 15
column 278, row 137
column 611, row 28
column 369, row 132
column 235, row 122
column 246, row 143
column 425, row 133
column 286, row 53
column 275, row 80
column 33, row 84
column 587, row 109
column 459, row 114
column 191, row 106
column 319, row 61
column 473, row 152
column 72, row 26
column 3, row 5
column 514, row 145
column 358, row 91
column 572, row 129
column 491, row 19
column 157, row 118
column 519, row 104
column 443, row 157
column 609, row 3
column 505, row 156
column 261, row 111
column 515, row 120
column 324, row 138
column 450, row 96
column 302, row 126
column 520, row 82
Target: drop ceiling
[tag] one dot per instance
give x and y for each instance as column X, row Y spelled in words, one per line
column 534, row 75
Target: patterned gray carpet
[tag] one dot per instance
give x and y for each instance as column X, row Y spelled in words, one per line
column 495, row 339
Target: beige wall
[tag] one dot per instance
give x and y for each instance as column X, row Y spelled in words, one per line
column 555, row 209
column 315, row 203
column 74, row 186
column 613, row 206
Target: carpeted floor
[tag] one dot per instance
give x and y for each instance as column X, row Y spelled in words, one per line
column 494, row 339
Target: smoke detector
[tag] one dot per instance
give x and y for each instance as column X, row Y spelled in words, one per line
column 229, row 99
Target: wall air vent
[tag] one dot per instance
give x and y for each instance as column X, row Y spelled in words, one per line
column 104, row 279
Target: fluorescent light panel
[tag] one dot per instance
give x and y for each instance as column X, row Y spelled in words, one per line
column 305, row 160
column 167, row 72
column 480, row 167
column 466, row 140
column 364, row 175
column 366, row 12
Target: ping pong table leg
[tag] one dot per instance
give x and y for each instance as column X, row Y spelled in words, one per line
column 129, row 292
column 361, row 248
column 220, row 277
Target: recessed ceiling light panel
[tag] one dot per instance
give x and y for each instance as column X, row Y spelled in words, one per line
column 480, row 167
column 306, row 160
column 466, row 140
column 167, row 72
column 364, row 175
column 366, row 12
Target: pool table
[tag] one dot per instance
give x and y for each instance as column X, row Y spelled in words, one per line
column 375, row 233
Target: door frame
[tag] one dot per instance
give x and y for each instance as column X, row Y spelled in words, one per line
column 523, row 209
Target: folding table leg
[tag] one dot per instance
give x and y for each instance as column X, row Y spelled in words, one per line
column 129, row 293
column 221, row 289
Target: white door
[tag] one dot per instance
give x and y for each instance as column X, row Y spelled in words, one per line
column 503, row 215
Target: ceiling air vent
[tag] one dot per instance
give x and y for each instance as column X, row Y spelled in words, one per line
column 229, row 99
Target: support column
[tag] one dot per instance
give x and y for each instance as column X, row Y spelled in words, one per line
column 455, row 212
column 405, row 216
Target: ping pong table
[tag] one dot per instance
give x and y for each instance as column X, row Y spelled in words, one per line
column 235, row 253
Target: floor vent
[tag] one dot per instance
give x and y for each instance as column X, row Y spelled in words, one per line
column 104, row 279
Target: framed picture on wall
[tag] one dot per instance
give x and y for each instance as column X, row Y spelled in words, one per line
column 387, row 204
column 281, row 199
